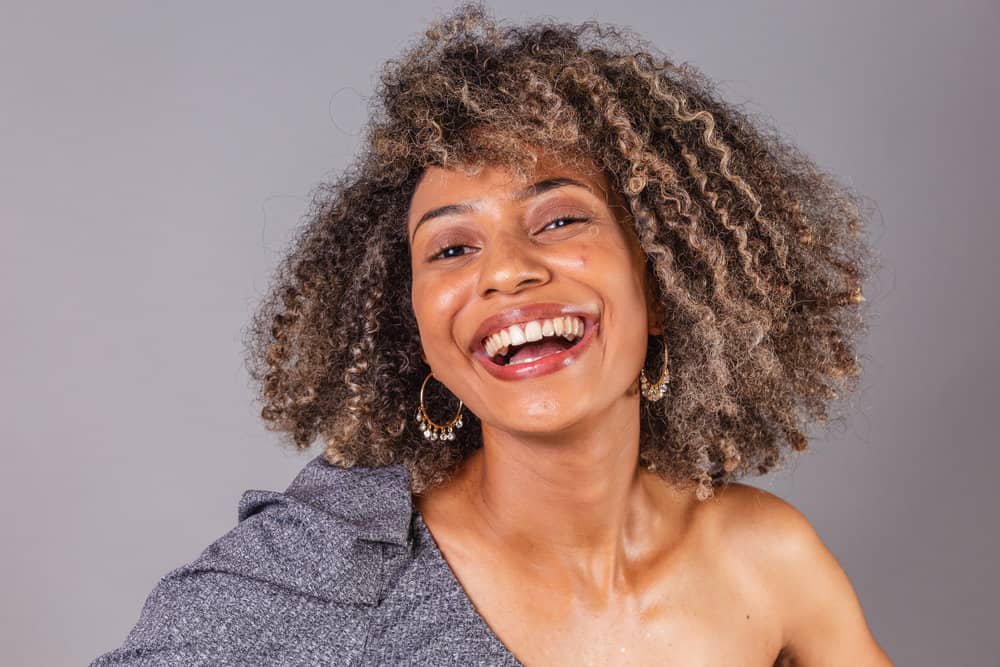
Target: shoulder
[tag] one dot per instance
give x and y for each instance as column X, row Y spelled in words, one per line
column 321, row 537
column 761, row 524
column 821, row 615
column 319, row 548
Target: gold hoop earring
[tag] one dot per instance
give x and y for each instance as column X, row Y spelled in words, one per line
column 432, row 430
column 657, row 390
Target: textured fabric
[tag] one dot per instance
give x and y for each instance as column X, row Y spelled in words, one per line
column 338, row 570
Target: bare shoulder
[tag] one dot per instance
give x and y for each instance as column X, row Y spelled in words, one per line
column 762, row 524
column 822, row 619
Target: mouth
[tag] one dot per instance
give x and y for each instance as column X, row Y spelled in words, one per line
column 536, row 347
column 529, row 341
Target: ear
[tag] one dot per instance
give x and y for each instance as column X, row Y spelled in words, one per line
column 655, row 314
column 656, row 318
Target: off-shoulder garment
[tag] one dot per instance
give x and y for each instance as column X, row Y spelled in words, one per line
column 340, row 569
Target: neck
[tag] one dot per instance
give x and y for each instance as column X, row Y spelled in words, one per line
column 575, row 502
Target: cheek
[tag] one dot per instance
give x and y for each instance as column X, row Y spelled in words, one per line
column 435, row 304
column 613, row 271
column 608, row 261
column 427, row 299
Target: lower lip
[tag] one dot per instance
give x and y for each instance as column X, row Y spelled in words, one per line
column 543, row 366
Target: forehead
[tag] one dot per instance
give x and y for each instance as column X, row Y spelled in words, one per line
column 439, row 186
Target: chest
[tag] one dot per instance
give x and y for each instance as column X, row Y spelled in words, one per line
column 697, row 614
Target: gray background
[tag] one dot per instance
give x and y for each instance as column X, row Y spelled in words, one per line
column 156, row 157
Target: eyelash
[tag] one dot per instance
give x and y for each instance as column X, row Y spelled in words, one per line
column 567, row 219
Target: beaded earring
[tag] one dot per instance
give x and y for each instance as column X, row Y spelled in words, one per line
column 432, row 430
column 655, row 391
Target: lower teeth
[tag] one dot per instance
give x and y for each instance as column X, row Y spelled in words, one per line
column 505, row 360
column 528, row 361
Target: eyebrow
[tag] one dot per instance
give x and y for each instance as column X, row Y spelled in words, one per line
column 534, row 190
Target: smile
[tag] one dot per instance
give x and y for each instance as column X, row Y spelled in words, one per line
column 520, row 354
column 507, row 346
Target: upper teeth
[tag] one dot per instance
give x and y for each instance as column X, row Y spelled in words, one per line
column 569, row 327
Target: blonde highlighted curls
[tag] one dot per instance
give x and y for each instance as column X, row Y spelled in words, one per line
column 757, row 256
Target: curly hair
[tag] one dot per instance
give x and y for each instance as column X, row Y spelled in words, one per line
column 757, row 254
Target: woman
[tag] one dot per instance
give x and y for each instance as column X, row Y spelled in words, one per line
column 622, row 294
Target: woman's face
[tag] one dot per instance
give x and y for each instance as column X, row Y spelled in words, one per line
column 489, row 252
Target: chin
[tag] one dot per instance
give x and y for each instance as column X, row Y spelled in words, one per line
column 540, row 417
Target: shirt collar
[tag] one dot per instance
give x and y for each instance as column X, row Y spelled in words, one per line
column 375, row 501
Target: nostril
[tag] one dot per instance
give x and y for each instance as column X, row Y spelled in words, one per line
column 529, row 281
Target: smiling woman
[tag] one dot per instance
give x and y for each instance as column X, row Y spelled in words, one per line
column 547, row 273
column 565, row 299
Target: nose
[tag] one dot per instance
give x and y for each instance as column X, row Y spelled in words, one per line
column 510, row 264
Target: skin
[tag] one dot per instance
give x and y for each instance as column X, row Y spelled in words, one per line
column 571, row 552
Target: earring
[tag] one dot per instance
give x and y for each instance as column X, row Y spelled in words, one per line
column 431, row 430
column 655, row 391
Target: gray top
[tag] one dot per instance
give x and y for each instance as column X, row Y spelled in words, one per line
column 338, row 570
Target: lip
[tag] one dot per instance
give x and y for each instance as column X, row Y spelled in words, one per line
column 527, row 313
column 547, row 364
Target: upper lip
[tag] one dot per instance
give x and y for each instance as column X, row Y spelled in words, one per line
column 527, row 313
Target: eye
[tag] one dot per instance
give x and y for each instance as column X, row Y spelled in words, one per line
column 568, row 221
column 446, row 252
